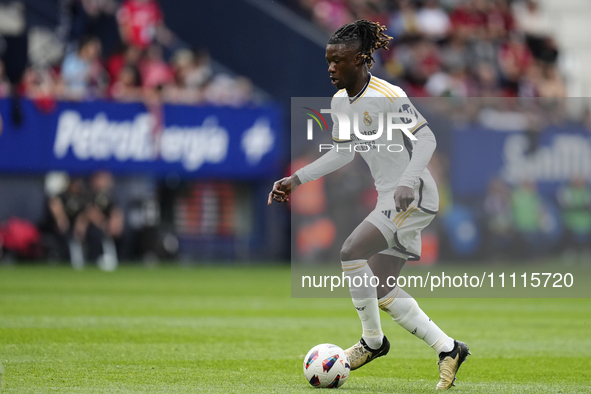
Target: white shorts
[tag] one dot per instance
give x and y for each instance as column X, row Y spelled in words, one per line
column 402, row 230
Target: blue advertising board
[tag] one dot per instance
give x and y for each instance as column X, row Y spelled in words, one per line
column 231, row 143
column 549, row 158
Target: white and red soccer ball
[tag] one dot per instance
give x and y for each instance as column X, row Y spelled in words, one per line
column 326, row 366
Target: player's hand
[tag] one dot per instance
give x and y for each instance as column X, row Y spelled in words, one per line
column 403, row 197
column 283, row 188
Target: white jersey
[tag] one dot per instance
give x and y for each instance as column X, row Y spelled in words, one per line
column 387, row 159
column 404, row 164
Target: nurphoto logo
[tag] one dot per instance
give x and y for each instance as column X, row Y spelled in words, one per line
column 407, row 120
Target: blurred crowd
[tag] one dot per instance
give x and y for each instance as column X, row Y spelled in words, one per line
column 510, row 222
column 121, row 51
column 457, row 48
column 519, row 220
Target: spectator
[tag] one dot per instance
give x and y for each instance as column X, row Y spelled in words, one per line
column 331, row 14
column 66, row 222
column 551, row 84
column 536, row 29
column 4, row 83
column 527, row 211
column 106, row 222
column 482, row 51
column 452, row 84
column 499, row 20
column 454, row 54
column 529, row 18
column 141, row 23
column 548, row 52
column 530, row 81
column 374, row 10
column 142, row 235
column 420, row 62
column 514, row 58
column 82, row 73
column 126, row 55
column 433, row 21
column 468, row 19
column 485, row 83
column 199, row 72
column 155, row 72
column 187, row 85
column 243, row 93
column 41, row 85
column 499, row 218
column 454, row 81
column 219, row 90
column 127, row 86
column 404, row 21
column 81, row 18
column 226, row 90
column 574, row 200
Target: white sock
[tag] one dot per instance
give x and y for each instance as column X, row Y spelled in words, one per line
column 406, row 311
column 365, row 300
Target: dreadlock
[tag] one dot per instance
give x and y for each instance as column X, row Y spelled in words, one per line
column 369, row 34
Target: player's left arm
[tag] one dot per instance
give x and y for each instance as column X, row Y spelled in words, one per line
column 423, row 149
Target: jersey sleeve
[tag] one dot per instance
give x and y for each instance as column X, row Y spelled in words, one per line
column 403, row 104
column 325, row 164
column 332, row 160
column 423, row 147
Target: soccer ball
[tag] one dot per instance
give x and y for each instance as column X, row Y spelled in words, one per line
column 326, row 366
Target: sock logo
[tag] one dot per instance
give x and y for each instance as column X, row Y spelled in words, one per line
column 414, row 331
column 360, row 308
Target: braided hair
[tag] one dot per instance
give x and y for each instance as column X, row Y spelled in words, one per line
column 369, row 34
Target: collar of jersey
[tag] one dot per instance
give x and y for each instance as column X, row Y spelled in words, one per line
column 358, row 95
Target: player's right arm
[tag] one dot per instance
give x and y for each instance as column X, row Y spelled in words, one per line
column 341, row 154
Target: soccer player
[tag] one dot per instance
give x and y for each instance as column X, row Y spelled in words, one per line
column 407, row 196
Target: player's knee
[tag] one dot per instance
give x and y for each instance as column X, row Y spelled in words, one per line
column 348, row 253
column 345, row 254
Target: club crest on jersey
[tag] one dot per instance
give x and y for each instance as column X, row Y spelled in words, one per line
column 366, row 118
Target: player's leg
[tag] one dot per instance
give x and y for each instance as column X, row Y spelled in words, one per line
column 385, row 266
column 365, row 241
column 405, row 311
column 77, row 236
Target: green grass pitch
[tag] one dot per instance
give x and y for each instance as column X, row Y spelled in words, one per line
column 236, row 330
